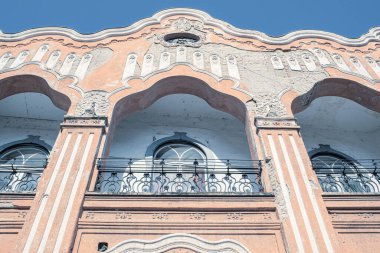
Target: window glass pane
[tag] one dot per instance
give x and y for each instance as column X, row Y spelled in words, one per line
column 24, row 155
column 179, row 152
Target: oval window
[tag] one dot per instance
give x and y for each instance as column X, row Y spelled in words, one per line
column 181, row 38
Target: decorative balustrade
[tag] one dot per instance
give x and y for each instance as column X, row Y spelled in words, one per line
column 18, row 176
column 134, row 176
column 360, row 176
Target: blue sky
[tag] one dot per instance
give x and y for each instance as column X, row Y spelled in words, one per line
column 350, row 18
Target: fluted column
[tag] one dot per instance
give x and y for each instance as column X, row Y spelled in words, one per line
column 307, row 225
column 52, row 220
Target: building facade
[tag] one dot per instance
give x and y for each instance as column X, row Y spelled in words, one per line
column 182, row 133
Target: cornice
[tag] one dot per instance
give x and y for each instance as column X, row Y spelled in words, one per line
column 372, row 36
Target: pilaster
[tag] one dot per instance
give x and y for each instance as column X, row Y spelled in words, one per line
column 306, row 222
column 51, row 223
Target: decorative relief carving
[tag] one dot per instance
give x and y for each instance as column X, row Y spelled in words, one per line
column 123, row 216
column 232, row 67
column 277, row 62
column 22, row 214
column 374, row 65
column 293, row 63
column 275, row 185
column 198, row 60
column 184, row 33
column 130, row 66
column 83, row 66
column 181, row 54
column 73, row 121
column 20, row 58
column 216, row 68
column 309, row 62
column 339, row 61
column 269, row 105
column 186, row 25
column 197, row 216
column 272, row 123
column 321, row 55
column 160, row 216
column 147, row 67
column 67, row 64
column 366, row 215
column 267, row 216
column 164, row 60
column 53, row 59
column 89, row 216
column 41, row 52
column 235, row 216
column 94, row 103
column 359, row 67
column 4, row 59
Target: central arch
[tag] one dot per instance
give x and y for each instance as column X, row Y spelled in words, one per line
column 227, row 102
column 222, row 148
column 218, row 94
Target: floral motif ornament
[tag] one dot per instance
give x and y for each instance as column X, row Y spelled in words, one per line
column 94, row 103
column 268, row 105
column 184, row 32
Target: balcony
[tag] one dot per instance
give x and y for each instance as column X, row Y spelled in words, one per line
column 140, row 176
column 354, row 176
column 19, row 176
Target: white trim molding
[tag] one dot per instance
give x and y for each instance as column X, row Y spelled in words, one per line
column 174, row 241
column 372, row 35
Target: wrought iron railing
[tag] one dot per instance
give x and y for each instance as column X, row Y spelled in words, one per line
column 17, row 175
column 359, row 176
column 134, row 176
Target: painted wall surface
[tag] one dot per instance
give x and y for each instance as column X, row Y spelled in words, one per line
column 344, row 125
column 17, row 129
column 220, row 132
column 29, row 114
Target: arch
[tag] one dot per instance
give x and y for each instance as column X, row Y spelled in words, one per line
column 339, row 87
column 219, row 94
column 31, row 83
column 21, row 166
column 175, row 241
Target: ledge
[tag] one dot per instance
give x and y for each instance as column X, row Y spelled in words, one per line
column 347, row 201
column 263, row 201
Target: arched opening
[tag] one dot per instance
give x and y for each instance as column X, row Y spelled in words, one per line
column 29, row 125
column 343, row 141
column 179, row 144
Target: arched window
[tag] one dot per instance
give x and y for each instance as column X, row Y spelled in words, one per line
column 179, row 167
column 180, row 155
column 21, row 167
column 337, row 173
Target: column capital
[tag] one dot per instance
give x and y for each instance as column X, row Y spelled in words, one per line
column 276, row 123
column 85, row 122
